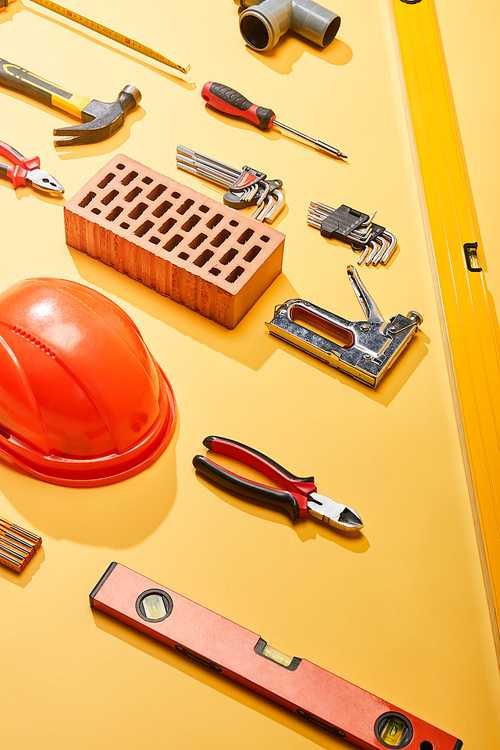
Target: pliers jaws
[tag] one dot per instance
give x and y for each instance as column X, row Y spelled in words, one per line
column 25, row 171
column 42, row 180
column 298, row 495
column 334, row 514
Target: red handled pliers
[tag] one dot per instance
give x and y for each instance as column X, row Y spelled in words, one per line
column 27, row 172
column 298, row 497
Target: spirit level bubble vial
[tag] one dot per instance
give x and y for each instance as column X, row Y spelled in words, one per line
column 314, row 693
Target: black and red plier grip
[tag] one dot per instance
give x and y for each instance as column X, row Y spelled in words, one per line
column 298, row 496
column 296, row 490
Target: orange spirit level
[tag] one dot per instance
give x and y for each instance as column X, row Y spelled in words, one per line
column 299, row 685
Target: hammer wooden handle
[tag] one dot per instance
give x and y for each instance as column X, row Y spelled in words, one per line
column 22, row 80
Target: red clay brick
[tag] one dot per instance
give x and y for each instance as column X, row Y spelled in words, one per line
column 182, row 244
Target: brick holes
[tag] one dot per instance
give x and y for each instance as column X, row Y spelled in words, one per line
column 109, row 197
column 138, row 211
column 128, row 178
column 203, row 258
column 106, row 180
column 197, row 241
column 156, row 192
column 114, row 213
column 245, row 236
column 235, row 274
column 133, row 194
column 172, row 243
column 191, row 222
column 85, row 201
column 166, row 226
column 211, row 223
column 185, row 206
column 228, row 257
column 141, row 231
column 217, row 241
column 252, row 253
column 197, row 247
column 162, row 209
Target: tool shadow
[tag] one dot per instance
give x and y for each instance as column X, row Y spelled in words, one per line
column 248, row 343
column 306, row 529
column 9, row 13
column 220, row 683
column 30, row 192
column 275, row 134
column 393, row 381
column 25, row 577
column 290, row 48
column 116, row 515
column 106, row 146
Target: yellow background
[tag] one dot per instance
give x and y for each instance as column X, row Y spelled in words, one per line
column 400, row 610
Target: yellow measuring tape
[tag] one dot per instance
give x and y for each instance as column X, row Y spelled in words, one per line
column 109, row 33
column 471, row 327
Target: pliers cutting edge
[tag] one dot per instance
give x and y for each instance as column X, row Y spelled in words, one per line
column 298, row 497
column 27, row 171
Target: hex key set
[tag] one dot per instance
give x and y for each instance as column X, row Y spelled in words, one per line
column 247, row 187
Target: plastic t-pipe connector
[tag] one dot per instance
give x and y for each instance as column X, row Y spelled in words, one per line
column 263, row 22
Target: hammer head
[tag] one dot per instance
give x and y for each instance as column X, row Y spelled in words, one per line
column 100, row 119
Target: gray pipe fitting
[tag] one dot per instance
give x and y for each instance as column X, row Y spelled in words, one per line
column 263, row 22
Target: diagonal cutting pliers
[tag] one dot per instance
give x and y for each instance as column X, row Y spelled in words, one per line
column 24, row 171
column 298, row 497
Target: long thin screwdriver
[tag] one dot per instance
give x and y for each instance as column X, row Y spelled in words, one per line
column 105, row 31
column 231, row 102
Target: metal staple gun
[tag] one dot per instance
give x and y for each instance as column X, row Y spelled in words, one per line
column 247, row 186
column 368, row 347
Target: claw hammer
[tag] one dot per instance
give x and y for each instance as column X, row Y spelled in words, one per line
column 99, row 119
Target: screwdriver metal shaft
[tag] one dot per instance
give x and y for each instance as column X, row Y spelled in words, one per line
column 319, row 144
column 231, row 102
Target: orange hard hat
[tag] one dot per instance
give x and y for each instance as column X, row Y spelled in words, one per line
column 82, row 400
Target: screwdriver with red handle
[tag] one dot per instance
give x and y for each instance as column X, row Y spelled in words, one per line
column 231, row 102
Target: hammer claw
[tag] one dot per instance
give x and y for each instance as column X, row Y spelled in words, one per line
column 75, row 140
column 100, row 119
